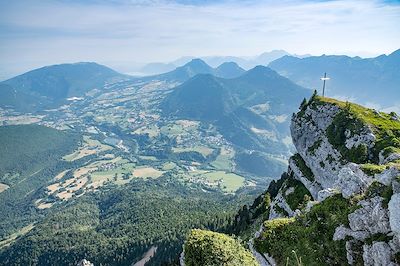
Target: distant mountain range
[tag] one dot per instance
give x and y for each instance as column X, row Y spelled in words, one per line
column 214, row 61
column 252, row 110
column 198, row 66
column 369, row 81
column 51, row 85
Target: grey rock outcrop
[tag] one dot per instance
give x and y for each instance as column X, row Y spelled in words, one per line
column 349, row 252
column 365, row 137
column 84, row 262
column 325, row 193
column 262, row 259
column 373, row 230
column 280, row 202
column 342, row 232
column 351, row 180
column 388, row 158
column 394, row 213
column 371, row 217
column 324, row 160
column 312, row 187
column 182, row 258
column 387, row 175
column 378, row 254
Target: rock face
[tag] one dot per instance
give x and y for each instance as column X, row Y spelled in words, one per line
column 394, row 211
column 388, row 176
column 351, row 180
column 279, row 203
column 313, row 187
column 365, row 137
column 372, row 217
column 309, row 134
column 335, row 157
column 379, row 253
column 308, row 131
column 85, row 262
column 391, row 157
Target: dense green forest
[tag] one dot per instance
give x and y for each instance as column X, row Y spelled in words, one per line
column 116, row 225
column 26, row 148
column 30, row 156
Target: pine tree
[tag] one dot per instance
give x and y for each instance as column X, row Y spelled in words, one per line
column 303, row 104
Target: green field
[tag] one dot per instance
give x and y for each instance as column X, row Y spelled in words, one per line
column 119, row 171
column 152, row 130
column 224, row 160
column 89, row 147
column 148, row 158
column 168, row 166
column 173, row 129
column 147, row 172
column 205, row 151
column 230, row 181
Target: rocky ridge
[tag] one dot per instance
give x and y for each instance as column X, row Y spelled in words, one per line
column 339, row 201
column 341, row 156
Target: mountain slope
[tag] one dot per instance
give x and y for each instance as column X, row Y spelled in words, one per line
column 200, row 98
column 251, row 110
column 30, row 155
column 229, row 70
column 338, row 203
column 12, row 98
column 371, row 80
column 51, row 85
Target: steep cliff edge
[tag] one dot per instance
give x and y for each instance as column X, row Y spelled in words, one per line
column 339, row 201
column 348, row 161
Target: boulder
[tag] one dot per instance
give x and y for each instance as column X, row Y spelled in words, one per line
column 394, row 213
column 378, row 254
column 371, row 217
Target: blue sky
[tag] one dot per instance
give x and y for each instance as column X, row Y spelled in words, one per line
column 126, row 33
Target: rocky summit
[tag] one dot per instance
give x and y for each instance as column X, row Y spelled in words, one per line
column 338, row 203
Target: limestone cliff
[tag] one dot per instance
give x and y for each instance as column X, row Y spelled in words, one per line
column 347, row 159
column 339, row 201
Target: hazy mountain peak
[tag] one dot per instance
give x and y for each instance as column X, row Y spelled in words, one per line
column 195, row 66
column 229, row 70
column 259, row 71
column 198, row 63
column 54, row 83
column 267, row 57
column 228, row 64
column 395, row 53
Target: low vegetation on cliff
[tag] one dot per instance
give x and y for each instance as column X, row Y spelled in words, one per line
column 209, row 248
